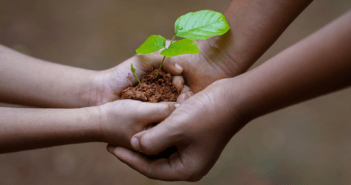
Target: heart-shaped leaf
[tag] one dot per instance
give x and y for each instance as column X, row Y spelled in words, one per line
column 152, row 44
column 201, row 25
column 184, row 46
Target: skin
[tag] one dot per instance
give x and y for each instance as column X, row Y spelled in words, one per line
column 51, row 85
column 255, row 26
column 202, row 126
column 115, row 122
column 30, row 81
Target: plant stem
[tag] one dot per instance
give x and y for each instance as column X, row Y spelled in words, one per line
column 172, row 40
column 159, row 69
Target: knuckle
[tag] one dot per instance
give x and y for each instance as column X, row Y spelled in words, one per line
column 181, row 98
column 167, row 108
column 170, row 108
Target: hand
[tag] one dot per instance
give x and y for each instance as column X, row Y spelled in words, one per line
column 212, row 64
column 200, row 129
column 107, row 85
column 121, row 119
column 197, row 70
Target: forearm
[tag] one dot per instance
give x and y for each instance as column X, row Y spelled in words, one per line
column 23, row 129
column 30, row 81
column 315, row 66
column 255, row 26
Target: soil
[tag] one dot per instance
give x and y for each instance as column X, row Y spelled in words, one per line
column 152, row 89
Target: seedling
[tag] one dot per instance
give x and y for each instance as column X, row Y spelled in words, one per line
column 192, row 26
column 133, row 70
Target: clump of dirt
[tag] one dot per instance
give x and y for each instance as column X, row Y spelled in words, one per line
column 152, row 89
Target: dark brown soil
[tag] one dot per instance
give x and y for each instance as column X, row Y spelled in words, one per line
column 152, row 89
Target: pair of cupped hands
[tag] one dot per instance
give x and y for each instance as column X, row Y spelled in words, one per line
column 199, row 124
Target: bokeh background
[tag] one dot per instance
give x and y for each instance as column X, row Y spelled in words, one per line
column 309, row 143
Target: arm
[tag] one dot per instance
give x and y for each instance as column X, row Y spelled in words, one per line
column 255, row 26
column 23, row 129
column 30, row 81
column 315, row 66
column 115, row 122
column 202, row 126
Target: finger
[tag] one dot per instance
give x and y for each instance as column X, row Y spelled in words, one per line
column 149, row 126
column 178, row 82
column 161, row 169
column 170, row 66
column 156, row 139
column 155, row 112
column 184, row 96
column 110, row 148
column 145, row 62
column 185, row 89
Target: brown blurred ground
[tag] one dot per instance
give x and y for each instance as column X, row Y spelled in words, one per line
column 309, row 143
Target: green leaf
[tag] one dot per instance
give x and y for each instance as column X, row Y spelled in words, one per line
column 152, row 44
column 183, row 46
column 133, row 71
column 201, row 25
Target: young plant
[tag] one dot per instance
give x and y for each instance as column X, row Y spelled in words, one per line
column 133, row 70
column 192, row 26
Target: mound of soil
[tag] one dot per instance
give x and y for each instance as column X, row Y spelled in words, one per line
column 152, row 89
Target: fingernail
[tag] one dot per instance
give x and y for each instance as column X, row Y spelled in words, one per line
column 135, row 144
column 178, row 67
column 176, row 105
column 181, row 98
column 110, row 149
column 189, row 94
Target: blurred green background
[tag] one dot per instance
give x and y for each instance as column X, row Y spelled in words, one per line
column 308, row 143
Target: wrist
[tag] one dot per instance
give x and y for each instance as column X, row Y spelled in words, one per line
column 215, row 50
column 92, row 90
column 95, row 118
column 245, row 98
column 227, row 54
column 231, row 100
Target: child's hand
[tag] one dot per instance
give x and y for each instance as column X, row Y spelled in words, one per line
column 121, row 119
column 107, row 85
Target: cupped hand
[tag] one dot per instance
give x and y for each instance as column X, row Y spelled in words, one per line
column 197, row 71
column 200, row 129
column 107, row 85
column 210, row 65
column 120, row 120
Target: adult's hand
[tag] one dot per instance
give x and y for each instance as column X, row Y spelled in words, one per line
column 202, row 125
column 255, row 25
column 200, row 128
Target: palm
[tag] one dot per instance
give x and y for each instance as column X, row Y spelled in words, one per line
column 110, row 83
column 205, row 68
column 200, row 128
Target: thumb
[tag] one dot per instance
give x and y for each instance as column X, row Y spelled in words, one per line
column 170, row 66
column 155, row 140
column 155, row 112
